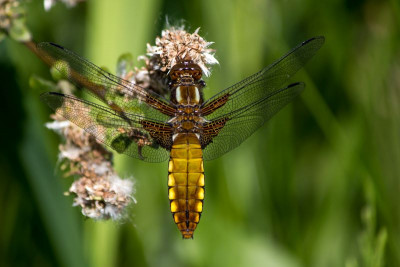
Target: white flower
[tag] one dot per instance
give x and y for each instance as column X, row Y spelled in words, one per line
column 48, row 4
column 175, row 44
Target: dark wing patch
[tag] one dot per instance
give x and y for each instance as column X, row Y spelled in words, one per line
column 211, row 130
column 161, row 132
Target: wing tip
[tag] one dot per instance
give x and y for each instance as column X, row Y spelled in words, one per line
column 296, row 83
column 42, row 95
column 56, row 45
column 300, row 86
column 320, row 38
column 43, row 44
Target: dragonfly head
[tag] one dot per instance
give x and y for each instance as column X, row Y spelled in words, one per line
column 185, row 69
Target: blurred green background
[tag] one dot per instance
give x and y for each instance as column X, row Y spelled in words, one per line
column 319, row 185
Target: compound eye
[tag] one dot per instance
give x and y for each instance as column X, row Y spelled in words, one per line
column 197, row 75
column 173, row 75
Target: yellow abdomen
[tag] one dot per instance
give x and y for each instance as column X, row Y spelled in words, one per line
column 186, row 182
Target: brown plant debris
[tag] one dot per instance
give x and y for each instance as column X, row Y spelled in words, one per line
column 174, row 45
column 99, row 191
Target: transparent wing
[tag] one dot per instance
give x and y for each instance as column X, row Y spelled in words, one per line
column 117, row 93
column 128, row 134
column 226, row 132
column 263, row 83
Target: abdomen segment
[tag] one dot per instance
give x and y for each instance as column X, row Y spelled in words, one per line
column 186, row 182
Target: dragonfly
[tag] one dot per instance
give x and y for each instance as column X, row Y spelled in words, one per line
column 184, row 129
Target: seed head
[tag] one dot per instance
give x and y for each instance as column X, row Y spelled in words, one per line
column 12, row 20
column 176, row 45
column 99, row 191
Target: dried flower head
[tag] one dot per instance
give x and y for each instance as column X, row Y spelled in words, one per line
column 6, row 12
column 12, row 20
column 174, row 45
column 99, row 191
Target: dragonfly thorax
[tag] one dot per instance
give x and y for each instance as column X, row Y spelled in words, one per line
column 186, row 84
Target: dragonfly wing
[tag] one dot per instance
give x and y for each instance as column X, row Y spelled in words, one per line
column 228, row 131
column 136, row 136
column 115, row 92
column 262, row 84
